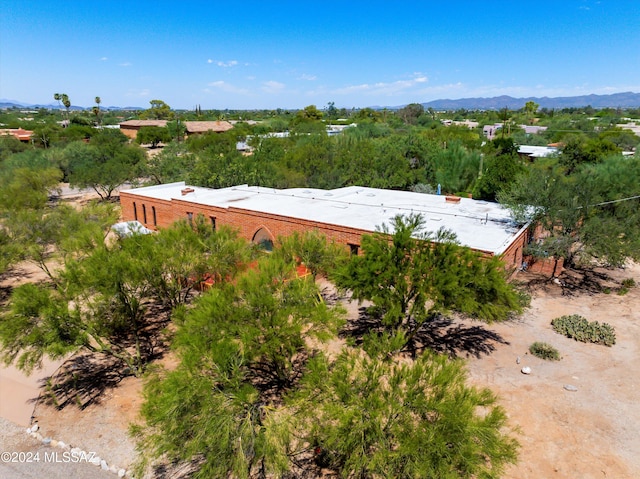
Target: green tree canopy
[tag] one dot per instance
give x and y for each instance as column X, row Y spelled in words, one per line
column 590, row 214
column 411, row 113
column 410, row 275
column 98, row 299
column 159, row 110
column 240, row 347
column 370, row 418
column 104, row 166
column 153, row 135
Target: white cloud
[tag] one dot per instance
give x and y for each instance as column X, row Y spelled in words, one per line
column 230, row 63
column 209, row 60
column 126, row 64
column 103, row 59
column 227, row 87
column 138, row 93
column 384, row 88
column 273, row 87
column 307, row 77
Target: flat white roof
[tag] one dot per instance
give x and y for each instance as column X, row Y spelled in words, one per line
column 537, row 151
column 480, row 225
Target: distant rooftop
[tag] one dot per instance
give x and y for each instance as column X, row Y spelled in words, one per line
column 141, row 123
column 205, row 126
column 480, row 225
column 19, row 133
column 537, row 151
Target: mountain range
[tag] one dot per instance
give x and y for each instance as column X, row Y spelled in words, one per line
column 615, row 100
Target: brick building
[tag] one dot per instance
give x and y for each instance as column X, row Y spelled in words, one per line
column 131, row 127
column 18, row 134
column 199, row 127
column 344, row 214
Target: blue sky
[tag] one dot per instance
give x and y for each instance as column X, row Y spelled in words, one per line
column 289, row 54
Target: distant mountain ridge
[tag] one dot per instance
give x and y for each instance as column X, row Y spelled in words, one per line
column 615, row 100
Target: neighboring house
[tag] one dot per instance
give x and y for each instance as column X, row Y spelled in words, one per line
column 261, row 214
column 198, row 127
column 244, row 148
column 131, row 127
column 631, row 126
column 533, row 129
column 18, row 133
column 489, row 131
column 533, row 152
column 248, row 122
column 468, row 123
column 333, row 130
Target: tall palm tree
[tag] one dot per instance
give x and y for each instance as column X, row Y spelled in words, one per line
column 96, row 110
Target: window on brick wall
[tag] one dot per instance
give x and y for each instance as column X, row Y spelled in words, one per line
column 135, row 211
column 155, row 219
column 354, row 248
column 144, row 214
column 213, row 222
column 190, row 217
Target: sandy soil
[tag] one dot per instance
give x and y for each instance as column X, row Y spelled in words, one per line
column 588, row 433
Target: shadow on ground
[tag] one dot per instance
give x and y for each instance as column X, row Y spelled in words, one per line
column 84, row 378
column 588, row 281
column 442, row 335
column 81, row 381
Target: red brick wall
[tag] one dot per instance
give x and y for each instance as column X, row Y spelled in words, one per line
column 245, row 221
column 164, row 210
column 130, row 132
column 550, row 267
column 513, row 256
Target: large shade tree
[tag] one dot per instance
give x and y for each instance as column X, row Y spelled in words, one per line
column 411, row 275
column 367, row 417
column 591, row 214
column 99, row 300
column 242, row 347
column 104, row 164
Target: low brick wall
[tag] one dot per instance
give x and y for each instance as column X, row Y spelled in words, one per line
column 550, row 267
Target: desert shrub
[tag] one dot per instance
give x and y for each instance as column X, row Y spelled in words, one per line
column 544, row 351
column 577, row 327
column 626, row 285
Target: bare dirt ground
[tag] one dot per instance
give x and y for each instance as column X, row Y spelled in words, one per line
column 588, row 433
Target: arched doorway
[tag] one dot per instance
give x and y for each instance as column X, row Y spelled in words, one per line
column 263, row 239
